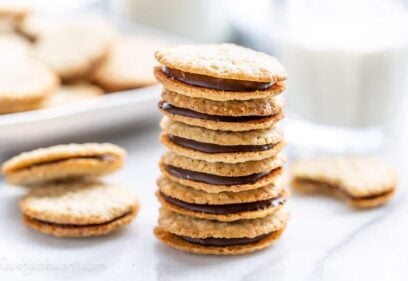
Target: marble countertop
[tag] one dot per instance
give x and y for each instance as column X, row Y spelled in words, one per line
column 325, row 240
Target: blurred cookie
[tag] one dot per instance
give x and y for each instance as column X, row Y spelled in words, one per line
column 11, row 13
column 62, row 162
column 128, row 64
column 361, row 182
column 72, row 93
column 35, row 26
column 24, row 83
column 76, row 48
column 201, row 236
column 78, row 209
column 224, row 206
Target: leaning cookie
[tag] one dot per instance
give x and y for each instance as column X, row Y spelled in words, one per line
column 224, row 206
column 219, row 238
column 361, row 182
column 78, row 209
column 63, row 162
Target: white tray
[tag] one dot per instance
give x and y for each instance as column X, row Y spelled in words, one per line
column 33, row 127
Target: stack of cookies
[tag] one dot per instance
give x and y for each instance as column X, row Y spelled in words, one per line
column 221, row 187
column 66, row 198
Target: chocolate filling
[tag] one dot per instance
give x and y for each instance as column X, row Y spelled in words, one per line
column 213, row 179
column 215, row 148
column 215, row 83
column 222, row 242
column 227, row 208
column 163, row 105
column 67, row 225
column 344, row 192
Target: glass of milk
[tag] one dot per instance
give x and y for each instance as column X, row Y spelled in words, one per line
column 348, row 71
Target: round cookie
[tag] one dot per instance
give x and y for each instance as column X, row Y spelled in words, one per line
column 216, row 95
column 225, row 157
column 72, row 93
column 63, row 162
column 361, row 182
column 225, row 61
column 222, row 123
column 220, row 238
column 78, row 209
column 74, row 49
column 258, row 107
column 216, row 184
column 24, row 84
column 128, row 65
column 225, row 206
column 223, row 169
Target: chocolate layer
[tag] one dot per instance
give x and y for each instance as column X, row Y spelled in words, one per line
column 215, row 83
column 215, row 148
column 227, row 208
column 163, row 105
column 213, row 179
column 223, row 242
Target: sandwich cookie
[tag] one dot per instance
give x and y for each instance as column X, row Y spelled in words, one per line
column 221, row 146
column 219, row 177
column 361, row 182
column 63, row 162
column 224, row 206
column 73, row 93
column 201, row 236
column 78, row 209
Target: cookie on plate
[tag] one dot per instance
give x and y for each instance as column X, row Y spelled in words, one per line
column 201, row 236
column 78, row 209
column 128, row 64
column 62, row 162
column 72, row 93
column 75, row 48
column 224, row 206
column 361, row 182
column 24, row 84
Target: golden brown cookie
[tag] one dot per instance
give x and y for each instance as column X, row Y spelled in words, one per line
column 219, row 153
column 76, row 48
column 216, row 95
column 25, row 84
column 225, row 206
column 63, row 162
column 72, row 93
column 361, row 182
column 128, row 64
column 78, row 208
column 222, row 123
column 220, row 238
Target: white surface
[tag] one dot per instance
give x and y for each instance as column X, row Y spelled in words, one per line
column 28, row 128
column 325, row 239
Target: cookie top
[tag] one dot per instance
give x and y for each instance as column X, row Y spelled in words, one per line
column 74, row 49
column 200, row 228
column 78, row 203
column 356, row 176
column 73, row 92
column 226, row 61
column 128, row 64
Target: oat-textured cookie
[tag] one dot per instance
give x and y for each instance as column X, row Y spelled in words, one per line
column 72, row 93
column 362, row 182
column 258, row 107
column 74, row 49
column 225, row 157
column 128, row 65
column 226, row 61
column 63, row 162
column 78, row 208
column 255, row 137
column 215, row 184
column 24, row 85
column 234, row 124
column 216, row 95
column 224, row 169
